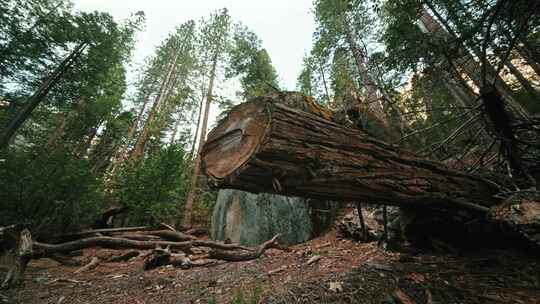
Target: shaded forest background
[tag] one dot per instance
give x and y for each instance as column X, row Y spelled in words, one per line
column 77, row 138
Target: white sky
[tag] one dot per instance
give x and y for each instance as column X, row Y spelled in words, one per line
column 284, row 26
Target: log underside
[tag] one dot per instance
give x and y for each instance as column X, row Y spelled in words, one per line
column 263, row 146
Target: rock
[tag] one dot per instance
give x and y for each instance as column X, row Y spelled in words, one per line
column 251, row 219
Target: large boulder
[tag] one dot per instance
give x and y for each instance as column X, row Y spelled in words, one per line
column 250, row 219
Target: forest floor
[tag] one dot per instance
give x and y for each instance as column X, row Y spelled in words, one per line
column 347, row 272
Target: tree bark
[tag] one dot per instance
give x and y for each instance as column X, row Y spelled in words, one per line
column 38, row 96
column 263, row 146
column 121, row 153
column 372, row 103
column 202, row 138
column 138, row 150
column 525, row 52
column 201, row 103
column 466, row 63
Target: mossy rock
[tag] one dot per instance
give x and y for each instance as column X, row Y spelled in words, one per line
column 250, row 219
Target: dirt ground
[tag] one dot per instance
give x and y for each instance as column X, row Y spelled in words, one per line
column 347, row 272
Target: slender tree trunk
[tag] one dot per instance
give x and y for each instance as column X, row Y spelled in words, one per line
column 163, row 113
column 196, row 169
column 525, row 54
column 175, row 129
column 138, row 150
column 324, row 82
column 468, row 65
column 369, row 86
column 513, row 69
column 523, row 81
column 38, row 96
column 198, row 120
column 58, row 132
column 520, row 49
column 122, row 151
column 531, row 56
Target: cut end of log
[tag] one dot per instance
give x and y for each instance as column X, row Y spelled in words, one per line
column 232, row 143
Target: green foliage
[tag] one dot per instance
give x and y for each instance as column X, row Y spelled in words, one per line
column 51, row 191
column 52, row 173
column 153, row 189
column 250, row 61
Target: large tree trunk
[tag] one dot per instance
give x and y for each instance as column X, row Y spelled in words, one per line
column 263, row 146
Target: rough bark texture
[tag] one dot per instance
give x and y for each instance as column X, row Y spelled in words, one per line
column 202, row 139
column 263, row 146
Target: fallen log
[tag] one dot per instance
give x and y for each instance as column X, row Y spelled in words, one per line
column 94, row 232
column 44, row 250
column 264, row 146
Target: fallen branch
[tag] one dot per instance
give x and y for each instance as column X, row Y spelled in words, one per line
column 45, row 250
column 236, row 256
column 197, row 231
column 174, row 236
column 280, row 269
column 94, row 262
column 84, row 233
column 124, row 257
column 313, row 259
column 138, row 237
column 162, row 257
